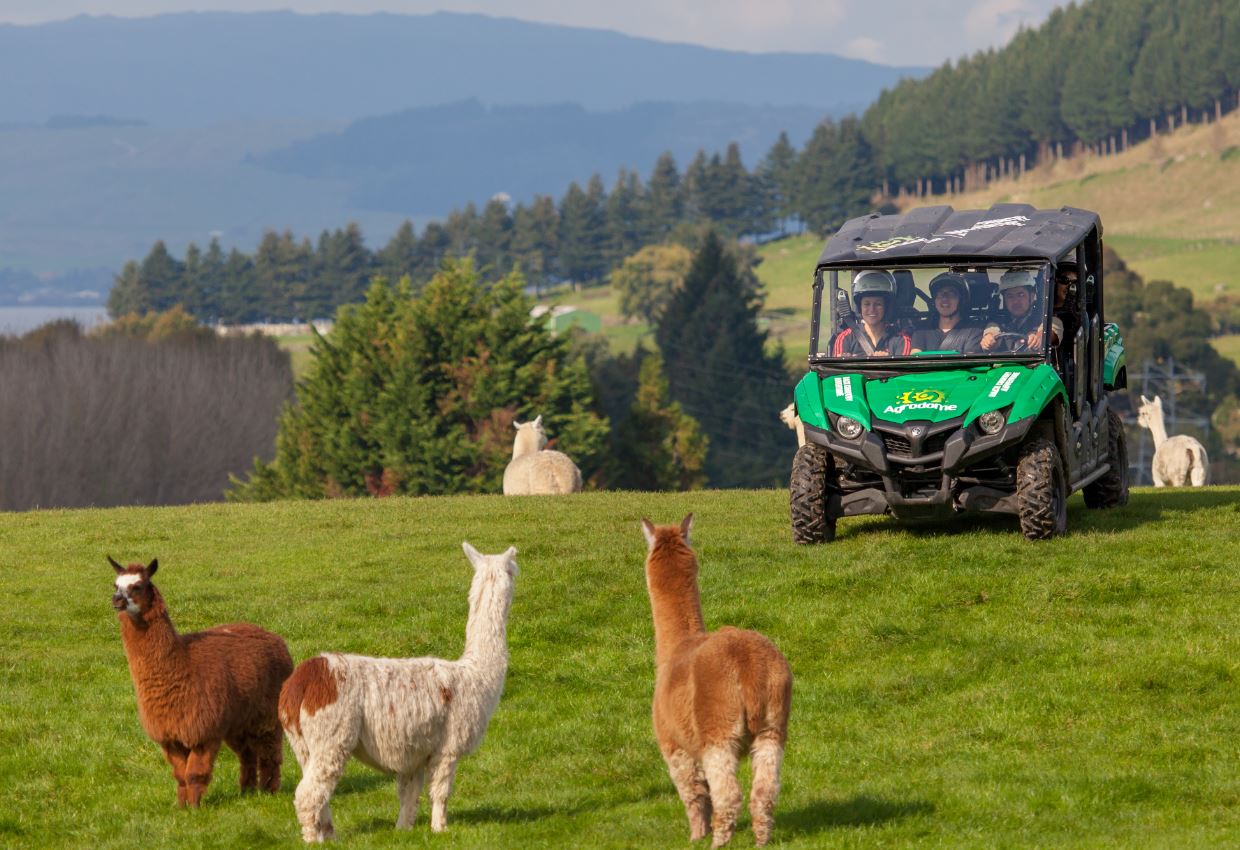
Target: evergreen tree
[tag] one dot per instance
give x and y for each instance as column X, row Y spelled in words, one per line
column 535, row 239
column 399, row 256
column 494, row 237
column 583, row 232
column 720, row 371
column 665, row 198
column 659, row 446
column 417, row 394
column 627, row 228
column 777, row 175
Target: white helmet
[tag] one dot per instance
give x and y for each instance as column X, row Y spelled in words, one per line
column 874, row 282
column 1013, row 278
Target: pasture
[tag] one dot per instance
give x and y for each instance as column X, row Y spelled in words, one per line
column 954, row 686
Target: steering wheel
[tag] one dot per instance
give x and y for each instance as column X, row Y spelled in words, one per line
column 1019, row 341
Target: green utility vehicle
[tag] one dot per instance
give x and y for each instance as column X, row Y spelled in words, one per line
column 960, row 362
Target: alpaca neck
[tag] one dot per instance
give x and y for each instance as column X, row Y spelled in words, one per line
column 1158, row 429
column 151, row 642
column 486, row 630
column 676, row 606
column 524, row 446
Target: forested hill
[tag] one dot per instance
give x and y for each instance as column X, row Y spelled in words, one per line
column 195, row 69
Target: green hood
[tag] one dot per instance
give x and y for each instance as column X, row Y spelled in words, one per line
column 929, row 396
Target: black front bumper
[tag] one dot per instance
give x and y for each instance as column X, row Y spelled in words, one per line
column 918, row 464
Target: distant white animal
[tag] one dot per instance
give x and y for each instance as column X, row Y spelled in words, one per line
column 1179, row 460
column 789, row 417
column 536, row 471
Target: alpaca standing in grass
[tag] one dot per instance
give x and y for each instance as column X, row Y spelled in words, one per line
column 198, row 690
column 789, row 417
column 412, row 717
column 536, row 471
column 1179, row 460
column 717, row 695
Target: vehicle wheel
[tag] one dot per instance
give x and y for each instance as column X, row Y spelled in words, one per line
column 811, row 521
column 1041, row 492
column 1111, row 490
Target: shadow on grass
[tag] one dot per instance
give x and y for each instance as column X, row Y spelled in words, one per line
column 859, row 811
column 1142, row 508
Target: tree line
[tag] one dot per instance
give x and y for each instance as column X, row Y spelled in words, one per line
column 153, row 410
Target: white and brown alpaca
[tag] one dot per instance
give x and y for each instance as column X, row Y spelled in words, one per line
column 535, row 470
column 789, row 417
column 717, row 695
column 197, row 690
column 412, row 717
column 1178, row 461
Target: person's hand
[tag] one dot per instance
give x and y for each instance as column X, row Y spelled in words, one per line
column 1034, row 340
column 988, row 340
column 881, row 353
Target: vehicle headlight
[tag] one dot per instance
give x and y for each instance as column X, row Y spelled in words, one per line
column 848, row 427
column 992, row 422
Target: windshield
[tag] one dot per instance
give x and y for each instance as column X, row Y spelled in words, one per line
column 940, row 312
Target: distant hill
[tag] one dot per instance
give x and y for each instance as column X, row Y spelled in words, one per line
column 200, row 68
column 429, row 160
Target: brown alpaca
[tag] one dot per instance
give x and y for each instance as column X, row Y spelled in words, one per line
column 717, row 696
column 198, row 690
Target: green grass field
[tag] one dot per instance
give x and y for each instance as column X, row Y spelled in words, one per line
column 956, row 686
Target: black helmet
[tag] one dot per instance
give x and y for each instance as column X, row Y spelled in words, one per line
column 874, row 282
column 951, row 279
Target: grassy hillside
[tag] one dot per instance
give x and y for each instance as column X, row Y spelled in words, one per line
column 955, row 686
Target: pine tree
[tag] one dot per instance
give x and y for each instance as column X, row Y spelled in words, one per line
column 720, row 371
column 535, row 239
column 399, row 256
column 665, row 198
column 659, row 446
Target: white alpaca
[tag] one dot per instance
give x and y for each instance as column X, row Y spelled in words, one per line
column 412, row 717
column 789, row 417
column 535, row 471
column 1179, row 460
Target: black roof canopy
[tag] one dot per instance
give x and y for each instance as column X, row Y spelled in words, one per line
column 1003, row 232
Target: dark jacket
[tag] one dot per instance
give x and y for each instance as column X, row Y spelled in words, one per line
column 895, row 342
column 966, row 338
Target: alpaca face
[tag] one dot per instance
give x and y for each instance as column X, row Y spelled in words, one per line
column 1149, row 410
column 134, row 591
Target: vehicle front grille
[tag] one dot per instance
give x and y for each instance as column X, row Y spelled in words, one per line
column 897, row 445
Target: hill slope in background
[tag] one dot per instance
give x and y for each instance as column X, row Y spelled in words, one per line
column 955, row 685
column 196, row 69
column 423, row 162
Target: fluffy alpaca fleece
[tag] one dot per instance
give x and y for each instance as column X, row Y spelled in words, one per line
column 536, row 471
column 789, row 417
column 1178, row 461
column 197, row 690
column 412, row 717
column 717, row 695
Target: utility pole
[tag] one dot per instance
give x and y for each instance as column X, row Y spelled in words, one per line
column 1162, row 379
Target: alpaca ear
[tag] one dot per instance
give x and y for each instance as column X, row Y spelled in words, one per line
column 1144, row 400
column 517, row 425
column 119, row 569
column 1157, row 401
column 648, row 532
column 686, row 525
column 510, row 555
column 470, row 552
column 537, row 420
column 152, row 567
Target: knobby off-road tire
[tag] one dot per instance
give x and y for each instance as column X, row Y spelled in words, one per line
column 1111, row 490
column 1041, row 491
column 807, row 495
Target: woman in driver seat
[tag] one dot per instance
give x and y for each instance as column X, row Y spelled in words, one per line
column 874, row 294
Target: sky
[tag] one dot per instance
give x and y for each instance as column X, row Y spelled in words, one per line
column 891, row 32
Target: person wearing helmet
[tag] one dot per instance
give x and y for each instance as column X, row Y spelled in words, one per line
column 874, row 295
column 947, row 330
column 1019, row 290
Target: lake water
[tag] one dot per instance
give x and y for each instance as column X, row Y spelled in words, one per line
column 15, row 321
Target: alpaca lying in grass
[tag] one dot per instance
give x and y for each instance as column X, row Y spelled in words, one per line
column 536, row 471
column 717, row 695
column 198, row 690
column 1178, row 461
column 412, row 717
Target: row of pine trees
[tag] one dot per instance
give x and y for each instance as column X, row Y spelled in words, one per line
column 1101, row 74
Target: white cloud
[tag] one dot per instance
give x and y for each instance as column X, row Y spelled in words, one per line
column 864, row 47
column 994, row 22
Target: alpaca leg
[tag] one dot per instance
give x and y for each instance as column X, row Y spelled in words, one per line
column 1197, row 477
column 247, row 755
column 313, row 798
column 442, row 772
column 270, row 748
column 766, row 758
column 690, row 784
column 409, row 788
column 178, row 757
column 720, row 764
column 200, row 765
column 1157, row 476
